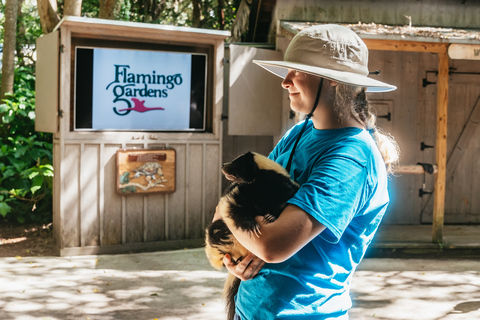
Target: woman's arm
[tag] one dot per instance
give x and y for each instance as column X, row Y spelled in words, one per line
column 281, row 239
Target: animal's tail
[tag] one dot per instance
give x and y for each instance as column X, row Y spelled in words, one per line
column 230, row 291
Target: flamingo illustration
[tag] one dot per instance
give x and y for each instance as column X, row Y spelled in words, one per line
column 140, row 106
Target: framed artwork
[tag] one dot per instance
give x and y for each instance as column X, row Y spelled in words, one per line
column 145, row 171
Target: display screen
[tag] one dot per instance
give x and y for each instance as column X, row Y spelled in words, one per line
column 135, row 90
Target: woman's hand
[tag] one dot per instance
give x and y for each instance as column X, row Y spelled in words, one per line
column 246, row 269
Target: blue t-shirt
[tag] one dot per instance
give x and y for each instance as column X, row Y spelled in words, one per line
column 344, row 186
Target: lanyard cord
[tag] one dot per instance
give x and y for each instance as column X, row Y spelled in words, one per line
column 289, row 163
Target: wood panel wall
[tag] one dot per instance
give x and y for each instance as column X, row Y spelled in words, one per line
column 402, row 70
column 95, row 216
column 463, row 186
column 414, row 121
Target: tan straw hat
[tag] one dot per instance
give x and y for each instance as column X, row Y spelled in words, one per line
column 330, row 51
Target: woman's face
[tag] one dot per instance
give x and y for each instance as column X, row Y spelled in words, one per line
column 302, row 89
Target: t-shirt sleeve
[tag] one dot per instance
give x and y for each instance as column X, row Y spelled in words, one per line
column 332, row 194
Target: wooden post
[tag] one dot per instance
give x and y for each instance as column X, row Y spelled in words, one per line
column 441, row 148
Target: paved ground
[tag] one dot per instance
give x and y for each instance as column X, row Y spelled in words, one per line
column 181, row 285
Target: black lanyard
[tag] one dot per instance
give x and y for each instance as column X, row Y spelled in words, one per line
column 289, row 163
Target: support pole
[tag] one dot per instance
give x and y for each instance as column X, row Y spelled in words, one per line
column 441, row 148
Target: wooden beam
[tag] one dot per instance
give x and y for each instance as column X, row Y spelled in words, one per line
column 441, row 148
column 409, row 46
column 414, row 169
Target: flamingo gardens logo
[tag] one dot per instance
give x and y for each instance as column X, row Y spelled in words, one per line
column 128, row 87
column 141, row 90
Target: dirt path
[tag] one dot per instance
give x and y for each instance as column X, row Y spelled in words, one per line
column 26, row 241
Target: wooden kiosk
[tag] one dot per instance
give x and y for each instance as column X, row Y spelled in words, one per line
column 135, row 112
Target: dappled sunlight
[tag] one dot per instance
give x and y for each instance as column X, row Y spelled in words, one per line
column 422, row 294
column 199, row 291
column 26, row 240
column 4, row 241
column 23, row 306
column 182, row 285
column 110, row 287
column 148, row 291
column 57, row 305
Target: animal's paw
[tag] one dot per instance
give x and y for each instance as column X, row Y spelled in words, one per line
column 268, row 218
column 255, row 231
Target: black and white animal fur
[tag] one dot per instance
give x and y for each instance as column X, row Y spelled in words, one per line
column 260, row 187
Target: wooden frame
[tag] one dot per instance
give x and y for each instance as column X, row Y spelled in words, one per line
column 442, row 110
column 146, row 171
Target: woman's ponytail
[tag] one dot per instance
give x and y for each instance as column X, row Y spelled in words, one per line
column 360, row 108
column 385, row 142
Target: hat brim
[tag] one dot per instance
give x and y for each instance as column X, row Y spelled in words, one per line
column 280, row 68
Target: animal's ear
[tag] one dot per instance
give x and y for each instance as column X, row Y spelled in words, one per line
column 241, row 169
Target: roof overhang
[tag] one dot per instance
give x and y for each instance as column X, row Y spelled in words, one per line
column 399, row 33
column 460, row 43
column 147, row 27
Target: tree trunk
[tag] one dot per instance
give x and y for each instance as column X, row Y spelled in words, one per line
column 240, row 24
column 47, row 10
column 159, row 9
column 20, row 53
column 9, row 40
column 109, row 9
column 147, row 11
column 197, row 13
column 221, row 15
column 72, row 8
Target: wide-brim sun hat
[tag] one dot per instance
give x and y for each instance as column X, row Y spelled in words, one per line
column 330, row 51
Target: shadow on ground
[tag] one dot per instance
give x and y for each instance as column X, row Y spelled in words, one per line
column 174, row 285
column 182, row 285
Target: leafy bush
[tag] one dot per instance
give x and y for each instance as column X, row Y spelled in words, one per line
column 26, row 170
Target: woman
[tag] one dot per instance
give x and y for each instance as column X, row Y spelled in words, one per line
column 302, row 264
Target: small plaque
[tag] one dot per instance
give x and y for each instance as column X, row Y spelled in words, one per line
column 464, row 51
column 145, row 171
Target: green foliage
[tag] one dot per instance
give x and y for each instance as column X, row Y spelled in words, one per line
column 2, row 19
column 169, row 12
column 28, row 30
column 90, row 8
column 26, row 171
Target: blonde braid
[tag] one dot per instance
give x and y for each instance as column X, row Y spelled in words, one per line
column 352, row 101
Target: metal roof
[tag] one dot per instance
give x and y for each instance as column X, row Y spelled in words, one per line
column 399, row 33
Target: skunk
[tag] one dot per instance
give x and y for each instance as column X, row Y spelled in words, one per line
column 260, row 187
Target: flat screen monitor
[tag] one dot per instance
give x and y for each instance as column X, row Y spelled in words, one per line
column 139, row 90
